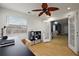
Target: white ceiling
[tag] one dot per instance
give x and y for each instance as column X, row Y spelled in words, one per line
column 27, row 7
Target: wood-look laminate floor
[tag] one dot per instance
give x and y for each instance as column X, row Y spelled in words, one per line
column 56, row 47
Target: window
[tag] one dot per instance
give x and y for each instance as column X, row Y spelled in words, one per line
column 16, row 24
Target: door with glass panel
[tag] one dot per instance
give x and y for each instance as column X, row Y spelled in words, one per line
column 72, row 40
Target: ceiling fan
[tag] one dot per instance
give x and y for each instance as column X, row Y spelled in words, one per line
column 45, row 9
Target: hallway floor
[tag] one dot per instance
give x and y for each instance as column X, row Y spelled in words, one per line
column 56, row 47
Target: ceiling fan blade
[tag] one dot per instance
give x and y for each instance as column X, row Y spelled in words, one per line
column 37, row 10
column 44, row 5
column 52, row 8
column 40, row 13
column 48, row 13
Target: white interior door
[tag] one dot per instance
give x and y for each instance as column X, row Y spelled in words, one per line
column 72, row 40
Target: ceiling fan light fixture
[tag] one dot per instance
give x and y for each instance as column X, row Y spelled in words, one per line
column 46, row 9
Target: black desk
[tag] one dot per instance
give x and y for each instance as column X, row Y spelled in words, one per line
column 16, row 50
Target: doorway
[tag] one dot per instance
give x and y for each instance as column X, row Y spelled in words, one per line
column 59, row 28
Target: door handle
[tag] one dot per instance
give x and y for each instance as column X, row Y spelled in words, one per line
column 77, row 33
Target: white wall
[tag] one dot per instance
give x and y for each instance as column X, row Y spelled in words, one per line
column 34, row 23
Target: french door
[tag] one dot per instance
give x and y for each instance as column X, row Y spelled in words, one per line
column 72, row 34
